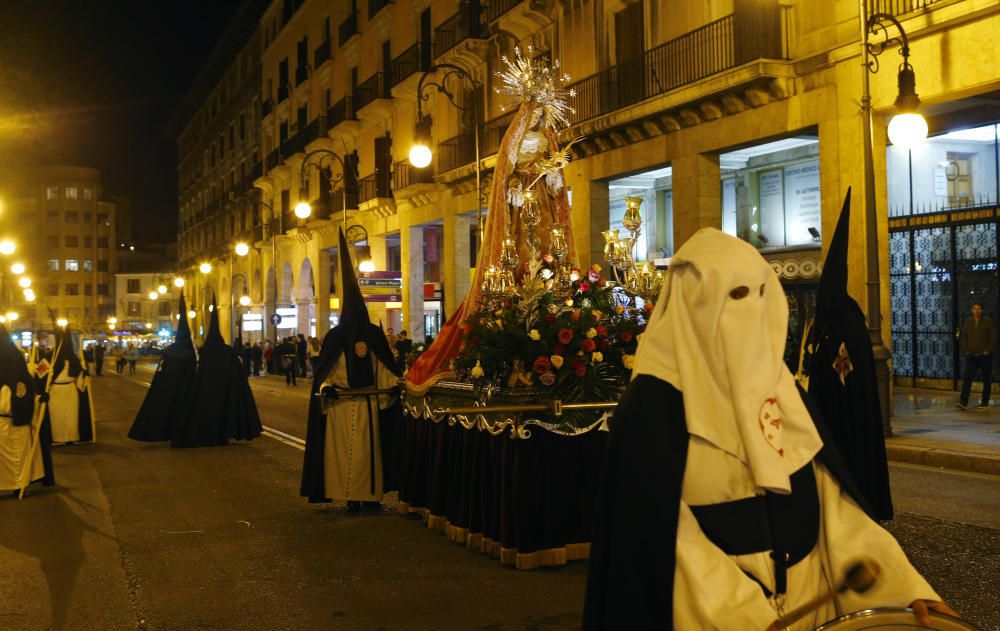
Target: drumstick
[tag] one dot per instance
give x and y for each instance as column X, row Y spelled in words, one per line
column 859, row 578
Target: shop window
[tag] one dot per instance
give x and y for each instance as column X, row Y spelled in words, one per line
column 771, row 193
column 953, row 170
column 655, row 187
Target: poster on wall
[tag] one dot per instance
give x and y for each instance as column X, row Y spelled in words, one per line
column 802, row 203
column 772, row 209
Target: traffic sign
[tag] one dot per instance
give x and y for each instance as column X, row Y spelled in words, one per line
column 275, row 319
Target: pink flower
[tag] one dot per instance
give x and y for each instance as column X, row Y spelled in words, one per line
column 584, row 286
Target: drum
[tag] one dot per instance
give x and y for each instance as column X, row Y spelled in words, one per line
column 893, row 618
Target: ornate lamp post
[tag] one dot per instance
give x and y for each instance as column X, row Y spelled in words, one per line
column 420, row 153
column 906, row 129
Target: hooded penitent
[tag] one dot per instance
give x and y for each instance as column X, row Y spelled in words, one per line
column 753, row 507
column 170, row 390
column 355, row 340
column 841, row 370
column 20, row 462
column 222, row 406
column 69, row 408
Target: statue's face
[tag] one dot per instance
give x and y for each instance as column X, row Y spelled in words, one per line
column 536, row 117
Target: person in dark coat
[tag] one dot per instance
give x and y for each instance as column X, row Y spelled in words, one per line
column 978, row 337
column 352, row 449
column 22, row 461
column 286, row 359
column 222, row 407
column 403, row 347
column 170, row 391
column 840, row 368
column 256, row 356
column 98, row 358
column 301, row 354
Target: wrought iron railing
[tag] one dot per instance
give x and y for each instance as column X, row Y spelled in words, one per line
column 492, row 133
column 373, row 186
column 295, row 144
column 266, row 107
column 405, row 174
column 409, row 62
column 460, row 150
column 339, row 112
column 283, row 91
column 466, row 24
column 301, row 75
column 374, row 87
column 321, row 54
column 497, row 8
column 347, row 29
column 899, row 7
column 273, row 159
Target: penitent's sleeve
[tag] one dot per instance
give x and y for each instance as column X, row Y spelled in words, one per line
column 848, row 534
column 710, row 591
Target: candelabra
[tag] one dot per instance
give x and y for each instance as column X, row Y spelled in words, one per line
column 640, row 280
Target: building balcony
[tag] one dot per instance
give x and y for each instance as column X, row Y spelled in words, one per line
column 900, row 7
column 415, row 59
column 273, row 159
column 460, row 150
column 373, row 187
column 266, row 108
column 322, row 54
column 499, row 8
column 374, row 6
column 347, row 29
column 301, row 75
column 375, row 88
column 342, row 110
column 464, row 25
column 283, row 91
column 405, row 175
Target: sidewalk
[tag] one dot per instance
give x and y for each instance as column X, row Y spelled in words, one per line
column 929, row 430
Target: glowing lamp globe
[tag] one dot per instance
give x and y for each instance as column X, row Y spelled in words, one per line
column 24, row 282
column 178, row 282
column 17, row 268
column 303, row 210
column 192, row 314
column 205, row 268
column 367, row 266
column 149, row 325
column 162, row 289
column 112, row 320
column 420, row 156
column 12, row 316
column 29, row 295
column 62, row 323
column 245, row 300
column 242, row 249
column 153, row 295
column 7, row 247
column 907, row 130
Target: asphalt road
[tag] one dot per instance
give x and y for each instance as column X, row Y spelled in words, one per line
column 142, row 536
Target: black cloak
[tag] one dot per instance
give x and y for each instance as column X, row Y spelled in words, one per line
column 170, row 391
column 630, row 576
column 354, row 338
column 14, row 374
column 67, row 355
column 222, row 406
column 841, row 370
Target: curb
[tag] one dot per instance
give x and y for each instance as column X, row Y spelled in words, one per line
column 943, row 458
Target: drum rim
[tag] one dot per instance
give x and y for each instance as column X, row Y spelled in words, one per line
column 865, row 613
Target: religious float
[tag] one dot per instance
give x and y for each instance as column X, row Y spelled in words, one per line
column 506, row 412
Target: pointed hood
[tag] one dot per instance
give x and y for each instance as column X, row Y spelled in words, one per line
column 67, row 353
column 214, row 335
column 353, row 308
column 183, row 335
column 832, row 290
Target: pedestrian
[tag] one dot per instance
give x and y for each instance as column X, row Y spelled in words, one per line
column 131, row 356
column 247, row 357
column 978, row 338
column 402, row 347
column 269, row 357
column 287, row 357
column 313, row 350
column 98, row 358
column 754, row 513
column 301, row 354
column 256, row 355
column 119, row 356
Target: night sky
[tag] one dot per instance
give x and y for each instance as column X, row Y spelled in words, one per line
column 95, row 82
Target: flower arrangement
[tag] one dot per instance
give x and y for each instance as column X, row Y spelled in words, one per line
column 578, row 344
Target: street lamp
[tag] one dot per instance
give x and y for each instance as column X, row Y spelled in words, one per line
column 907, row 128
column 420, row 153
column 153, row 295
column 29, row 295
column 178, row 282
column 24, row 282
column 17, row 268
column 12, row 316
column 162, row 289
column 205, row 268
column 242, row 249
column 7, row 247
column 62, row 323
column 245, row 300
column 112, row 320
column 303, row 208
column 192, row 314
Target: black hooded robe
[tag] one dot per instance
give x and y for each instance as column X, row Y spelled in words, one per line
column 630, row 578
column 841, row 370
column 171, row 388
column 15, row 377
column 361, row 346
column 67, row 370
column 221, row 407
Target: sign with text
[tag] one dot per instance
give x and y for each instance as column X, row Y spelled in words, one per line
column 802, row 203
column 381, row 286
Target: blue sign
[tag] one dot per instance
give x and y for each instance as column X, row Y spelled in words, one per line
column 275, row 319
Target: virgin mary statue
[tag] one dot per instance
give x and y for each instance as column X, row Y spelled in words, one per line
column 529, row 164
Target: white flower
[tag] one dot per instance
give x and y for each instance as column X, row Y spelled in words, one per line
column 597, row 357
column 534, row 334
column 553, row 308
column 628, row 361
column 591, row 332
column 477, row 371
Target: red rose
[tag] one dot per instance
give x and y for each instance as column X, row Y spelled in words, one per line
column 626, row 336
column 603, row 345
column 579, row 366
column 602, row 330
column 565, row 336
column 648, row 307
column 542, row 365
column 557, row 349
column 575, row 315
column 587, row 345
column 549, row 319
column 585, row 286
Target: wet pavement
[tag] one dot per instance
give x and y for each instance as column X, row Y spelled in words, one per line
column 142, row 536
